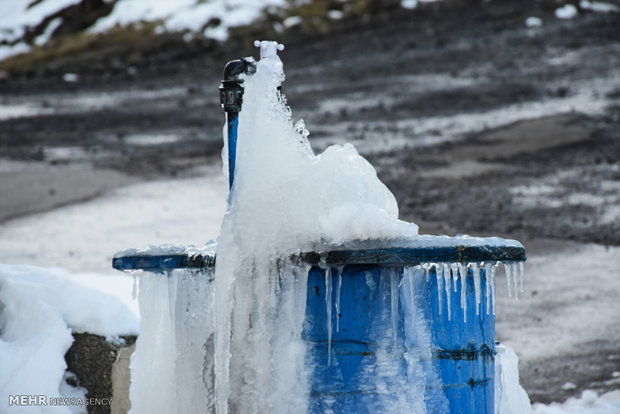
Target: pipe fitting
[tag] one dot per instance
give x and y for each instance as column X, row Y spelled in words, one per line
column 231, row 89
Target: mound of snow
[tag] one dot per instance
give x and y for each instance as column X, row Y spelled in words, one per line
column 39, row 309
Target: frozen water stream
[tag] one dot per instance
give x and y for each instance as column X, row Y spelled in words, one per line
column 285, row 198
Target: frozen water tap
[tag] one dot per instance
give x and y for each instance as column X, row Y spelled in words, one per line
column 268, row 48
column 269, row 58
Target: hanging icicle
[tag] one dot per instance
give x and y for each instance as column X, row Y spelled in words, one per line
column 487, row 279
column 476, row 275
column 448, row 275
column 338, row 292
column 508, row 270
column 464, row 295
column 328, row 307
column 439, row 275
column 446, row 278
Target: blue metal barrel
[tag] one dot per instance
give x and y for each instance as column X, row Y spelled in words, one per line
column 371, row 322
column 463, row 352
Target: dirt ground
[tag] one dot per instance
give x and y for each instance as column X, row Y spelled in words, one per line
column 477, row 123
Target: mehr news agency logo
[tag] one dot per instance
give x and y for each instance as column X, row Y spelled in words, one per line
column 44, row 401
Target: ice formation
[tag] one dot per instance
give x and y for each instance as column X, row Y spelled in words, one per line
column 286, row 199
column 449, row 276
column 175, row 321
column 510, row 397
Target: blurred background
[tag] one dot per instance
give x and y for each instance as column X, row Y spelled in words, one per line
column 484, row 117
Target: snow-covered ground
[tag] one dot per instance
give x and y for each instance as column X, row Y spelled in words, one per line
column 56, row 276
column 211, row 19
column 189, row 15
column 17, row 16
column 84, row 237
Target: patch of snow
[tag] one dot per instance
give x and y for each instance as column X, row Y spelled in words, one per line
column 589, row 403
column 45, row 36
column 569, row 386
column 335, row 14
column 22, row 110
column 8, row 51
column 40, row 309
column 533, row 21
column 16, row 17
column 568, row 11
column 409, row 4
column 292, row 21
column 69, row 391
column 169, row 249
column 599, row 6
column 70, row 77
column 151, row 139
column 73, row 153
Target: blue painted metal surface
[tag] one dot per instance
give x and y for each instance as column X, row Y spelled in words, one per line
column 463, row 352
column 232, row 122
column 412, row 255
column 408, row 255
column 160, row 263
column 465, row 349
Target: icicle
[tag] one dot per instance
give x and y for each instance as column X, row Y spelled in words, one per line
column 439, row 274
column 394, row 276
column 455, row 279
column 507, row 269
column 462, row 270
column 328, row 304
column 412, row 293
column 338, row 290
column 493, row 286
column 515, row 277
column 521, row 276
column 455, row 271
column 487, row 278
column 464, row 295
column 427, row 271
column 476, row 274
column 446, row 277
